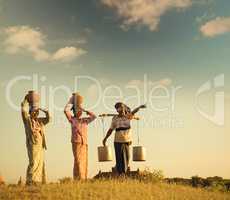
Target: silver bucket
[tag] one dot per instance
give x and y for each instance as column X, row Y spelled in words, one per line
column 139, row 153
column 104, row 153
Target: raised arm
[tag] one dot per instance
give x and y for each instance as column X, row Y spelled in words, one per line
column 91, row 117
column 24, row 109
column 67, row 110
column 45, row 120
column 138, row 108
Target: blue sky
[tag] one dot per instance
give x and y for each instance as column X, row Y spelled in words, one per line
column 118, row 43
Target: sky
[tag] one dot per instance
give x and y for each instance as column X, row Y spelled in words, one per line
column 172, row 55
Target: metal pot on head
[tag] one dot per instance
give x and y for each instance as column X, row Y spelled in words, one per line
column 104, row 153
column 77, row 101
column 139, row 153
column 33, row 99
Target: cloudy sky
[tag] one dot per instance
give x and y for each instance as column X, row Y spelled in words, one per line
column 121, row 49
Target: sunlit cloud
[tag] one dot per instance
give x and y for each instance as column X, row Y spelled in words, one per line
column 67, row 54
column 144, row 12
column 20, row 39
column 218, row 26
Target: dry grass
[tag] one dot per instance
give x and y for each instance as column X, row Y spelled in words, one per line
column 110, row 189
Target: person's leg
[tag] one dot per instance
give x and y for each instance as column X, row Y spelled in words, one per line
column 126, row 157
column 118, row 155
column 38, row 168
column 82, row 161
column 75, row 165
column 44, row 174
column 80, row 152
column 123, row 158
column 36, row 163
column 86, row 161
column 29, row 170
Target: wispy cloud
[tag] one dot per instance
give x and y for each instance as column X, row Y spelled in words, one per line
column 144, row 12
column 67, row 54
column 215, row 27
column 31, row 40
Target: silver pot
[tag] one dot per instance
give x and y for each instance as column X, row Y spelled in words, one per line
column 139, row 153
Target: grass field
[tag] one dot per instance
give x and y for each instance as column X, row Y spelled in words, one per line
column 110, row 189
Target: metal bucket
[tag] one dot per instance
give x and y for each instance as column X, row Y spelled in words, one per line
column 139, row 153
column 33, row 99
column 104, row 153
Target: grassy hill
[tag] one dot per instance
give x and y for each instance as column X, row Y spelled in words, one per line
column 109, row 189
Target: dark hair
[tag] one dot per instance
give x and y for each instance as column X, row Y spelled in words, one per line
column 31, row 109
column 74, row 111
column 120, row 104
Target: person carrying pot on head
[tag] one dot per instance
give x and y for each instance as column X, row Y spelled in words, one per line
column 35, row 140
column 122, row 141
column 73, row 111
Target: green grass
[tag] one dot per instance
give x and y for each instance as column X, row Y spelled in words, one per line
column 110, row 189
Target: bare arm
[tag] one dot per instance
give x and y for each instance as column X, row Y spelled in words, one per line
column 24, row 111
column 109, row 132
column 67, row 110
column 138, row 108
column 45, row 120
column 91, row 117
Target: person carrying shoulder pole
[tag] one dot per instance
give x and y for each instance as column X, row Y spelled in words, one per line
column 122, row 141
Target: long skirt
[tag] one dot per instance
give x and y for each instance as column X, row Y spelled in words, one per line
column 122, row 154
column 80, row 153
column 36, row 168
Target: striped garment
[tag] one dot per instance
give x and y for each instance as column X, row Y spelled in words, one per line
column 123, row 129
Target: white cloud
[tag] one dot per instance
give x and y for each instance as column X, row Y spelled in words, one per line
column 216, row 27
column 144, row 12
column 31, row 40
column 67, row 54
column 24, row 38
